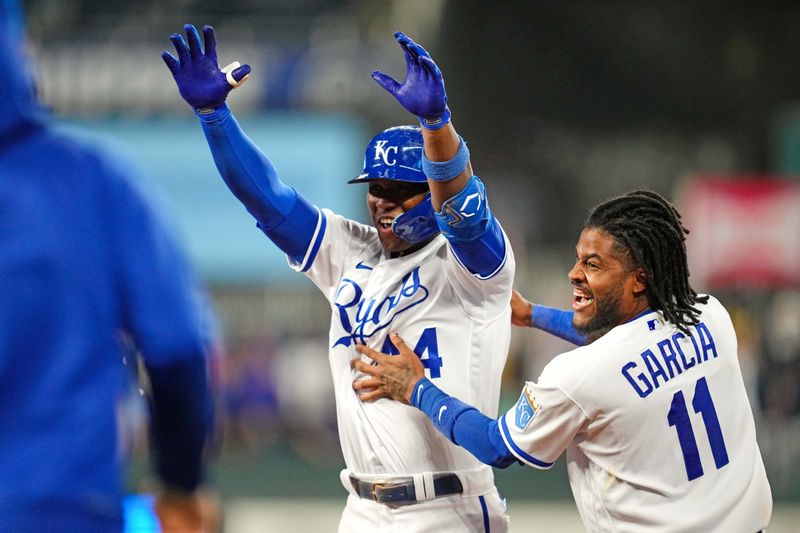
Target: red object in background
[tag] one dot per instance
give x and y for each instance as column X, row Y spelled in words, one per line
column 744, row 231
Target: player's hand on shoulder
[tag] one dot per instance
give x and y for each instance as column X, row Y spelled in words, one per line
column 200, row 81
column 422, row 93
column 520, row 310
column 188, row 512
column 388, row 376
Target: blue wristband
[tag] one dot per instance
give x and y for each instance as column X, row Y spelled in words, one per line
column 434, row 123
column 446, row 170
column 210, row 115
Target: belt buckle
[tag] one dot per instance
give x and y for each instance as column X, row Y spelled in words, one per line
column 376, row 491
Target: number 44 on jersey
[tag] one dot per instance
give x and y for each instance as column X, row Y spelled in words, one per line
column 427, row 344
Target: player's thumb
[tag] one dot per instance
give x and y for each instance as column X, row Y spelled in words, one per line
column 241, row 73
column 236, row 74
column 387, row 82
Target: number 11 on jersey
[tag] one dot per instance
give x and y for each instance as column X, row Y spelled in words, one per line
column 678, row 417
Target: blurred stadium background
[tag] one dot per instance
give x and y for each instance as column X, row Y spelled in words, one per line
column 563, row 103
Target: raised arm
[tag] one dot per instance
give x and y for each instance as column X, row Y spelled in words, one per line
column 458, row 196
column 423, row 95
column 283, row 214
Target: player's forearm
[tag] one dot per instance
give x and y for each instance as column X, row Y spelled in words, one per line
column 181, row 411
column 282, row 213
column 442, row 146
column 247, row 172
column 557, row 322
column 462, row 424
column 461, row 207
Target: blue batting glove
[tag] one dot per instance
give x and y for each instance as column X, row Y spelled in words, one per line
column 198, row 76
column 422, row 93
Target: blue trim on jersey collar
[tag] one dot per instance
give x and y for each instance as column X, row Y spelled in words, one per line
column 643, row 313
column 517, row 450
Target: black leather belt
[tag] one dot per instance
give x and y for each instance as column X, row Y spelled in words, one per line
column 401, row 491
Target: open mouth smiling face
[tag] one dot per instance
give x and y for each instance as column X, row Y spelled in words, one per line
column 388, row 199
column 606, row 291
column 581, row 299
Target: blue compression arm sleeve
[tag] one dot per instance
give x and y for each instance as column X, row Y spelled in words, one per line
column 181, row 411
column 557, row 322
column 281, row 212
column 463, row 424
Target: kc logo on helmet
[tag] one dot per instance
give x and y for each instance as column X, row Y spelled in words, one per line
column 388, row 154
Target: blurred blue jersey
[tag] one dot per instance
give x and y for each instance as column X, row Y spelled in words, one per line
column 83, row 257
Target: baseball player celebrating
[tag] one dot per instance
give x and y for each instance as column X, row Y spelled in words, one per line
column 653, row 414
column 434, row 263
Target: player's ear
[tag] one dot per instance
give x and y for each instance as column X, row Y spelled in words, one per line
column 639, row 281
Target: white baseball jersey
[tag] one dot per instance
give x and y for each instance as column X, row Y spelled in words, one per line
column 459, row 326
column 657, row 427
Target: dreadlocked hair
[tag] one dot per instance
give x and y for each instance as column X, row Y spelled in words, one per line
column 648, row 230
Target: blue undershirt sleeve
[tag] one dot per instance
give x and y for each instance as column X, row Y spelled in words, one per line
column 463, row 424
column 181, row 421
column 284, row 215
column 557, row 322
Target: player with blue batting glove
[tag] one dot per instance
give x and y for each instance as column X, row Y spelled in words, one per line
column 651, row 409
column 433, row 262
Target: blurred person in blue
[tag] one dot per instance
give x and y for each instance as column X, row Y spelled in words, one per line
column 85, row 265
column 433, row 262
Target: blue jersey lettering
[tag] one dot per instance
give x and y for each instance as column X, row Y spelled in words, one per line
column 706, row 341
column 676, row 341
column 671, row 363
column 363, row 318
column 654, row 367
column 641, row 378
column 427, row 343
column 670, row 357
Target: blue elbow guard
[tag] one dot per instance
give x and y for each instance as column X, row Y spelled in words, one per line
column 465, row 216
column 474, row 234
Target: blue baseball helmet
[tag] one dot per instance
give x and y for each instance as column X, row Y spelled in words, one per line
column 396, row 154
